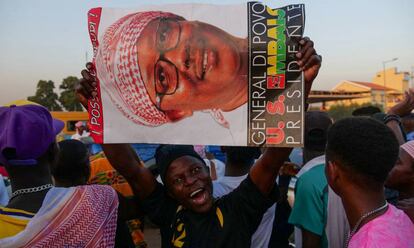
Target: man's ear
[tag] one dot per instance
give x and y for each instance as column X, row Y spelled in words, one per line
column 177, row 115
column 332, row 174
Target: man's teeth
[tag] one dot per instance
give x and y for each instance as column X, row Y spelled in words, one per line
column 204, row 61
column 195, row 192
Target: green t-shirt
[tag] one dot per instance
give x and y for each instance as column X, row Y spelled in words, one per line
column 311, row 201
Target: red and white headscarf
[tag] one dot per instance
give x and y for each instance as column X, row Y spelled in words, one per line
column 118, row 69
column 409, row 148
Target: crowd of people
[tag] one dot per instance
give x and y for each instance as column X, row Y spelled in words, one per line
column 62, row 197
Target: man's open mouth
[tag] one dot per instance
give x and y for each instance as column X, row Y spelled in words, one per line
column 201, row 60
column 199, row 196
column 204, row 60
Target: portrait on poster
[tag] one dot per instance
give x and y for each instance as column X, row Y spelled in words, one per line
column 197, row 74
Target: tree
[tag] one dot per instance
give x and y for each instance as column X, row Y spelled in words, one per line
column 45, row 95
column 67, row 97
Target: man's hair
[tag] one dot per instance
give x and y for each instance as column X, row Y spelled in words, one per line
column 238, row 155
column 317, row 124
column 73, row 163
column 366, row 147
column 166, row 154
column 366, row 111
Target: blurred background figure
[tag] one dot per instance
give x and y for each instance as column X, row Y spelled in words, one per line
column 4, row 195
column 82, row 133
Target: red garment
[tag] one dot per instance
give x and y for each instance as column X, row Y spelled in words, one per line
column 3, row 171
column 83, row 216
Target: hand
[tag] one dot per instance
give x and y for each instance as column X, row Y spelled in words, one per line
column 85, row 88
column 407, row 206
column 309, row 61
column 405, row 106
column 210, row 156
column 289, row 169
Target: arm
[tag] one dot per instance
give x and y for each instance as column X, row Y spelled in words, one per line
column 310, row 240
column 127, row 209
column 124, row 159
column 266, row 169
column 213, row 171
column 401, row 109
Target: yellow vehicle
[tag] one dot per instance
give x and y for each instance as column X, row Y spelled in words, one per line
column 70, row 119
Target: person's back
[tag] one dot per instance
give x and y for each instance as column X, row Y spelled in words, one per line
column 360, row 154
column 74, row 169
column 39, row 214
column 4, row 195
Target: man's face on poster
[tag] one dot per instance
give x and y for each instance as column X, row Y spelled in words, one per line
column 188, row 65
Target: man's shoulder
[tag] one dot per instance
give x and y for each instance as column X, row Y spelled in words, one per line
column 377, row 233
column 98, row 191
column 312, row 184
column 317, row 170
column 314, row 177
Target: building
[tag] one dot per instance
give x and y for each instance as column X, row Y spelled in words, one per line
column 370, row 93
column 393, row 79
column 376, row 92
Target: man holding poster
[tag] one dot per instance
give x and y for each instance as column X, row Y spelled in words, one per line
column 161, row 69
column 184, row 209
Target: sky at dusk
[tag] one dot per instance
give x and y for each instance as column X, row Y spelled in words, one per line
column 48, row 40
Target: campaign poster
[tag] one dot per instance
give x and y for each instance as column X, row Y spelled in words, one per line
column 198, row 74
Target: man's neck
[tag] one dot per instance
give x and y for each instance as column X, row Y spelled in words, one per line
column 361, row 201
column 30, row 177
column 24, row 183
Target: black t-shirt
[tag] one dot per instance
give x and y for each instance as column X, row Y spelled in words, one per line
column 230, row 223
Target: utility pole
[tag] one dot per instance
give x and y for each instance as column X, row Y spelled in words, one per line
column 385, row 82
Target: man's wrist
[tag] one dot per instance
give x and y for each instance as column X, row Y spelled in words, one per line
column 392, row 117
